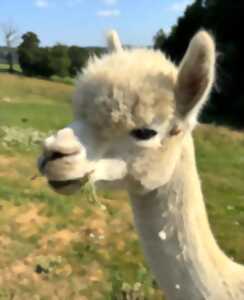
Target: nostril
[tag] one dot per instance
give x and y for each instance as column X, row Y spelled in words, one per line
column 42, row 162
column 57, row 155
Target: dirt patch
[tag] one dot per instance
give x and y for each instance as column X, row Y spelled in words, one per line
column 8, row 165
column 59, row 239
column 6, row 161
column 8, row 210
column 30, row 221
column 15, row 272
column 32, row 216
column 4, row 241
column 11, row 173
column 94, row 273
column 95, row 227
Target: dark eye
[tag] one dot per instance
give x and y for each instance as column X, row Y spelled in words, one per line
column 143, row 133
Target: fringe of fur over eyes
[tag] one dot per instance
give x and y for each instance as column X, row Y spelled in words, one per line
column 126, row 89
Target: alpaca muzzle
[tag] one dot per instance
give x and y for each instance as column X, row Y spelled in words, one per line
column 61, row 173
column 64, row 162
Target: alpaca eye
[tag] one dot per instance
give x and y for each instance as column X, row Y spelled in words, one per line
column 143, row 133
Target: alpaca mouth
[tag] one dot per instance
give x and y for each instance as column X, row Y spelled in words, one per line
column 67, row 187
column 62, row 184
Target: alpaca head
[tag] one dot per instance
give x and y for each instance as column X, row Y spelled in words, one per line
column 132, row 109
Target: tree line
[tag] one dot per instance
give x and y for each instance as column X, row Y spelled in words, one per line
column 60, row 60
column 224, row 19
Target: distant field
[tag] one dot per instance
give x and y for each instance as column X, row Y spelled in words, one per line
column 53, row 247
column 4, row 67
column 27, row 102
column 68, row 80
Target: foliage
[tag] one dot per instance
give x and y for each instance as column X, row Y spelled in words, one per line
column 159, row 39
column 29, row 54
column 30, row 40
column 78, row 57
column 4, row 68
column 223, row 19
column 59, row 60
column 142, row 289
column 177, row 42
column 35, row 60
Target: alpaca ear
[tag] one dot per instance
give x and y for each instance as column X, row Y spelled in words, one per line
column 195, row 77
column 113, row 40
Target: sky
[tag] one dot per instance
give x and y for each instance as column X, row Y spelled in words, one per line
column 85, row 22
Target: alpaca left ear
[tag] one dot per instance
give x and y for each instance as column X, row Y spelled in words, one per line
column 113, row 40
column 196, row 77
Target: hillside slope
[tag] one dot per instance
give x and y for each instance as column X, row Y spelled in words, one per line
column 53, row 247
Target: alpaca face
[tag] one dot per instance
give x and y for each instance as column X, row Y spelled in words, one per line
column 79, row 153
column 132, row 110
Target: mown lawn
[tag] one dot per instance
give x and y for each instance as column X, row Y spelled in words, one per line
column 54, row 247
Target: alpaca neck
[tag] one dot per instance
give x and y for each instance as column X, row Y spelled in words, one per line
column 177, row 240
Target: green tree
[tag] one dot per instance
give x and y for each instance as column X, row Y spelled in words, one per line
column 43, row 66
column 223, row 18
column 30, row 40
column 192, row 20
column 159, row 39
column 78, row 59
column 28, row 52
column 60, row 60
column 96, row 51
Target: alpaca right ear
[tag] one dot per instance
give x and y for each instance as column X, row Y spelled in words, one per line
column 113, row 40
column 196, row 77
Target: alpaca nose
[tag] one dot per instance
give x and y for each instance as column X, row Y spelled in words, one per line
column 64, row 143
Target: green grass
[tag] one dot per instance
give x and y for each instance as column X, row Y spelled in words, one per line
column 54, row 247
column 34, row 115
column 67, row 80
column 27, row 102
column 5, row 68
column 220, row 154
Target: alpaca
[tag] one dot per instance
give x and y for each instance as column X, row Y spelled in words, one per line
column 134, row 112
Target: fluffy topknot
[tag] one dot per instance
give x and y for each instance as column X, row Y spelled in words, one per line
column 126, row 89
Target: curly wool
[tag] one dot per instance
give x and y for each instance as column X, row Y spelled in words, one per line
column 126, row 89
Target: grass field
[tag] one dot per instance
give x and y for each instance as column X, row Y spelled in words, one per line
column 4, row 68
column 53, row 247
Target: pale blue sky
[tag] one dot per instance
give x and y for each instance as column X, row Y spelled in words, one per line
column 85, row 22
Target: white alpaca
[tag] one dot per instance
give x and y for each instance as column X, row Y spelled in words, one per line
column 134, row 114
